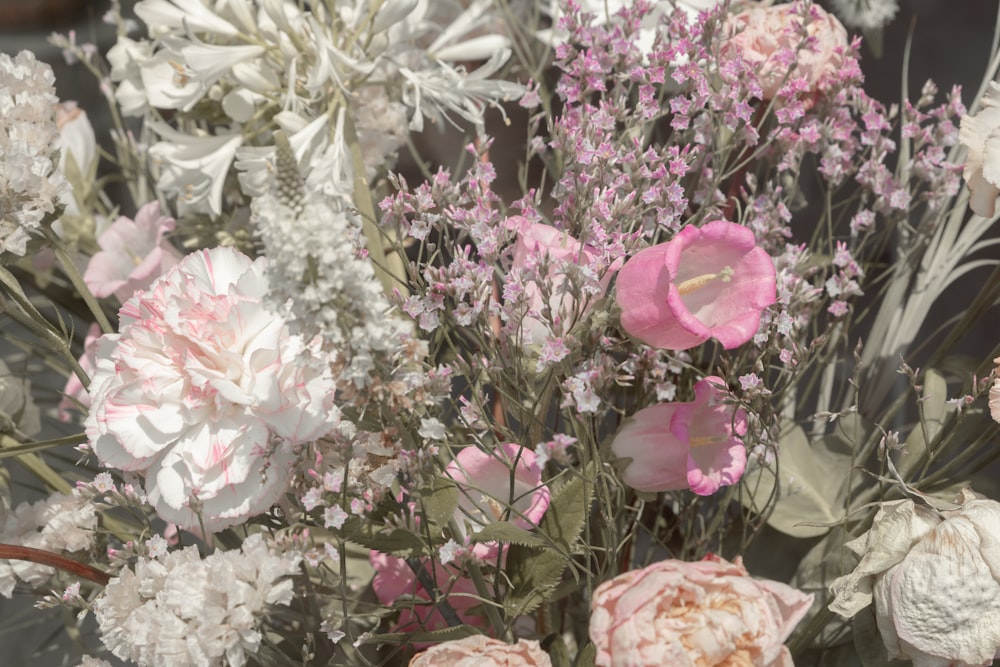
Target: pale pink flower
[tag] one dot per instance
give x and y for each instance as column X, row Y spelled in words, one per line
column 773, row 39
column 133, row 254
column 206, row 393
column 694, row 445
column 934, row 577
column 394, row 579
column 483, row 651
column 690, row 614
column 982, row 162
column 502, row 485
column 74, row 393
column 538, row 245
column 708, row 282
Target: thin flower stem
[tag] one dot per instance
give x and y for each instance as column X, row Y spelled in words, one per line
column 16, row 552
column 81, row 287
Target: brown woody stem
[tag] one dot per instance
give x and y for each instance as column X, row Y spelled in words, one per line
column 15, row 552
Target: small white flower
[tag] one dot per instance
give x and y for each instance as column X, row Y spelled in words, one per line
column 449, row 551
column 334, row 517
column 157, row 546
column 103, row 483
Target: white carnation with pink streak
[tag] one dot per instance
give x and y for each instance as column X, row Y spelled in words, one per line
column 206, row 394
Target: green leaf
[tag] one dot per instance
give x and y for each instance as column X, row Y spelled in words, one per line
column 568, row 510
column 440, row 502
column 534, row 574
column 558, row 653
column 808, row 480
column 506, row 532
column 827, row 560
column 400, row 542
column 586, row 657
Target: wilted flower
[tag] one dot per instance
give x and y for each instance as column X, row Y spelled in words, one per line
column 708, row 282
column 688, row 614
column 982, row 163
column 934, row 578
column 206, row 393
column 694, row 445
column 773, row 38
column 537, row 244
column 181, row 609
column 133, row 254
column 503, row 485
column 17, row 407
column 483, row 652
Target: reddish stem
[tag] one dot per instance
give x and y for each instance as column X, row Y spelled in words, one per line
column 15, row 552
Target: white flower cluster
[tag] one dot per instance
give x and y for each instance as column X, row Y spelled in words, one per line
column 865, row 14
column 183, row 610
column 316, row 267
column 273, row 65
column 30, row 183
column 58, row 523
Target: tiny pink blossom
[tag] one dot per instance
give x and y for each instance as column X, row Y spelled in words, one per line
column 708, row 282
column 695, row 445
column 502, row 485
column 133, row 254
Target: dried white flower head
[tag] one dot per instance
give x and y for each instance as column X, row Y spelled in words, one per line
column 58, row 523
column 30, row 182
column 183, row 610
column 865, row 14
column 934, row 578
column 17, row 409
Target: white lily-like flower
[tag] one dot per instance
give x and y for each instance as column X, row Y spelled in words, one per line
column 441, row 90
column 194, row 167
column 164, row 16
column 255, row 163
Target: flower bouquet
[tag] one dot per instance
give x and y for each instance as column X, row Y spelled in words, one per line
column 494, row 332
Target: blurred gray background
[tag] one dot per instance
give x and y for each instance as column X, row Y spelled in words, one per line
column 951, row 43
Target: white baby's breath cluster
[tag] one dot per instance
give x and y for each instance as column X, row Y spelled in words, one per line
column 30, row 183
column 183, row 610
column 57, row 523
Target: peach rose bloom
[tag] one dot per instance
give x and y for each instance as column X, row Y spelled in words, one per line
column 694, row 614
column 481, row 651
column 770, row 39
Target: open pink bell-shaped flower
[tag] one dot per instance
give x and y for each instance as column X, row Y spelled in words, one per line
column 707, row 282
column 694, row 445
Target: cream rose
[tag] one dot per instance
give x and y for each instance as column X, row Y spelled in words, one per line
column 481, row 651
column 690, row 614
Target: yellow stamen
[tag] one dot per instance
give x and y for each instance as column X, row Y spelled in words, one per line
column 691, row 284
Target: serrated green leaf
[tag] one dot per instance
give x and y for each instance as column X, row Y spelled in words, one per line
column 809, row 479
column 533, row 574
column 568, row 510
column 586, row 656
column 558, row 653
column 440, row 503
column 400, row 542
column 506, row 532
